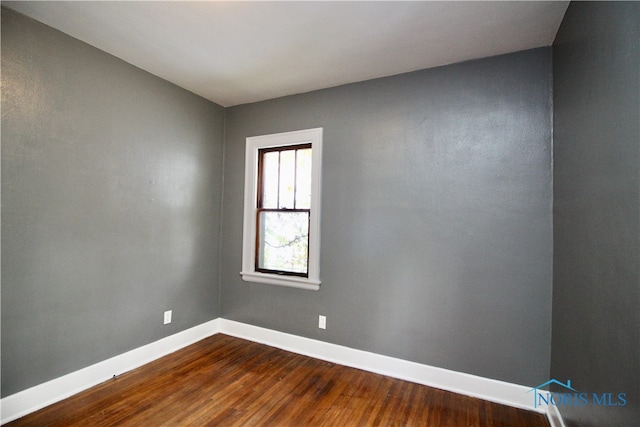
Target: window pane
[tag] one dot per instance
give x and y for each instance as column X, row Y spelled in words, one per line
column 287, row 178
column 303, row 179
column 284, row 241
column 270, row 179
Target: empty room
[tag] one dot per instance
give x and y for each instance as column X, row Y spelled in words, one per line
column 320, row 213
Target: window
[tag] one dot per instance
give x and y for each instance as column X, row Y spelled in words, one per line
column 281, row 241
column 283, row 210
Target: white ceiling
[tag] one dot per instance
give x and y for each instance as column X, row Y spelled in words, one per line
column 238, row 52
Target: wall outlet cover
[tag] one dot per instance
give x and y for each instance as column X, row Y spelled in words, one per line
column 322, row 322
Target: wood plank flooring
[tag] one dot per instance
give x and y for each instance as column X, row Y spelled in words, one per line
column 226, row 381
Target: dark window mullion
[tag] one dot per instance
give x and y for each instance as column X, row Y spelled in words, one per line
column 284, row 210
column 279, row 163
column 295, row 178
column 260, row 199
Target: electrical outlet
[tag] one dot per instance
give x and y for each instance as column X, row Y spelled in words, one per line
column 322, row 322
column 167, row 317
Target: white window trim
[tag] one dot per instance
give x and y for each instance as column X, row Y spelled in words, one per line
column 255, row 143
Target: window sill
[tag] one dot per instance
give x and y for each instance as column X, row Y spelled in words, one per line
column 278, row 280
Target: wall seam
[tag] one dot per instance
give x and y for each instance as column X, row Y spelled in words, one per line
column 221, row 222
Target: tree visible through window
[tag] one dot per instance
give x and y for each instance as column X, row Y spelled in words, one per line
column 284, row 209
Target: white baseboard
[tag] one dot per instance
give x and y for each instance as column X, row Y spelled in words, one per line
column 554, row 416
column 457, row 382
column 30, row 400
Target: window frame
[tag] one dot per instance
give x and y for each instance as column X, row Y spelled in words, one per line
column 261, row 208
column 249, row 247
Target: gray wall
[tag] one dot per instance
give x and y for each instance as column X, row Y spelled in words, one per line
column 111, row 193
column 596, row 290
column 436, row 217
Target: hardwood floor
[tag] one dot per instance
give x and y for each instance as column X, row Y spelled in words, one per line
column 226, row 381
